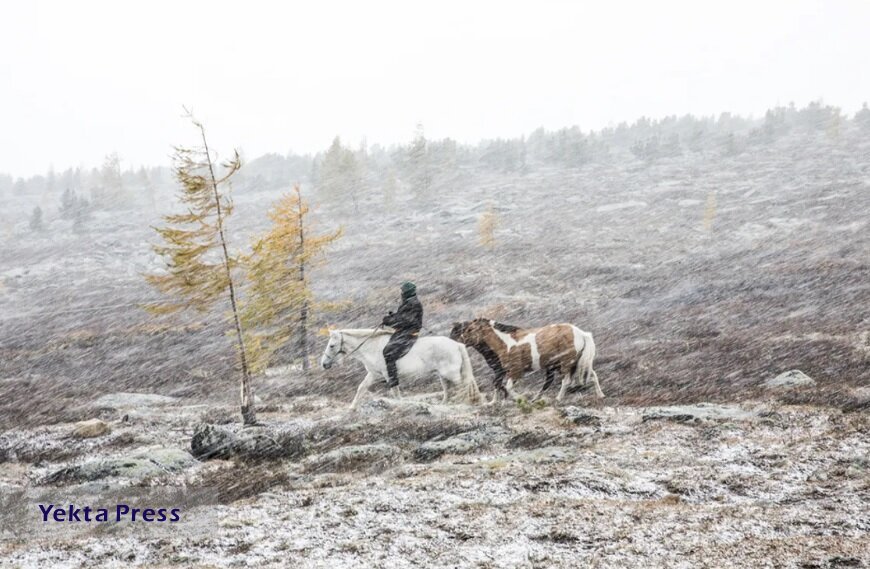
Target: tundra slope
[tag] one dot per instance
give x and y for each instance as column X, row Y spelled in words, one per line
column 401, row 484
column 687, row 302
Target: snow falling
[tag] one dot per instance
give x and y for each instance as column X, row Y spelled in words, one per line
column 721, row 263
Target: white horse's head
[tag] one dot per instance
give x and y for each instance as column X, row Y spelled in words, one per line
column 333, row 348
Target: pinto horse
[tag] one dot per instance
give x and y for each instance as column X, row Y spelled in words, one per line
column 511, row 352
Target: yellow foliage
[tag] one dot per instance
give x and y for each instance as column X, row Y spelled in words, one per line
column 278, row 301
column 486, row 228
column 195, row 276
column 709, row 211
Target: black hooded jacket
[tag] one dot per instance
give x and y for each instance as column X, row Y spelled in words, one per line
column 408, row 317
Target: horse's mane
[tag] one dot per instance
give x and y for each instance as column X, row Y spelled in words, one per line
column 366, row 331
column 506, row 328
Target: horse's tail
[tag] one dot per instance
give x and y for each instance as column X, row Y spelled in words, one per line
column 585, row 346
column 467, row 373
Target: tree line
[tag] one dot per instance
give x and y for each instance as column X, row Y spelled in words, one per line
column 343, row 171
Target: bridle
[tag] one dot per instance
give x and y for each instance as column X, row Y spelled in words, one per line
column 348, row 354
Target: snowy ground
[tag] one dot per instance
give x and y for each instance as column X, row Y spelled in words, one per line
column 754, row 485
column 701, row 277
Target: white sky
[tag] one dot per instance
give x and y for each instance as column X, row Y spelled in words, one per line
column 80, row 79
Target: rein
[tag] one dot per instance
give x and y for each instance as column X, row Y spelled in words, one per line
column 369, row 337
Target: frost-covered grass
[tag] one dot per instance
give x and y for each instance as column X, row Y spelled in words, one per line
column 687, row 302
column 777, row 486
column 690, row 299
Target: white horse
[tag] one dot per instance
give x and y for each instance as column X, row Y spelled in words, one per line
column 429, row 354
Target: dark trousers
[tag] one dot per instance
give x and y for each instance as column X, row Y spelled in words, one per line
column 399, row 344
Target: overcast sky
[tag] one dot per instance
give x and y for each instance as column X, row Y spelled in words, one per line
column 81, row 79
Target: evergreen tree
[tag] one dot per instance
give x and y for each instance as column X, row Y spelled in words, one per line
column 109, row 193
column 340, row 174
column 81, row 212
column 862, row 118
column 76, row 208
column 36, row 219
column 68, row 204
column 390, row 187
column 279, row 303
column 196, row 277
column 418, row 163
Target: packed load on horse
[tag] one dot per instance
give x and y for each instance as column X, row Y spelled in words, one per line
column 511, row 352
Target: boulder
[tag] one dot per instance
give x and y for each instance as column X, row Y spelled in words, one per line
column 462, row 443
column 859, row 400
column 581, row 417
column 255, row 443
column 170, row 459
column 790, row 379
column 355, row 457
column 212, row 441
column 142, row 464
column 91, row 428
column 382, row 407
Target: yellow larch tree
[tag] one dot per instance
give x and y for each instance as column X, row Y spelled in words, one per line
column 486, row 228
column 199, row 267
column 278, row 302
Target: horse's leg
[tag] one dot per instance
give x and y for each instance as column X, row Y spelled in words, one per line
column 443, row 387
column 509, row 388
column 551, row 375
column 395, row 392
column 598, row 391
column 363, row 387
column 498, row 383
column 566, row 381
column 496, row 397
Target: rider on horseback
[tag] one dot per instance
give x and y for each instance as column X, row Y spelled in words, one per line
column 407, row 321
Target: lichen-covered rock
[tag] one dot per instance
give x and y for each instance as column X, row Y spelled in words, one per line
column 580, row 416
column 792, row 378
column 462, row 443
column 355, row 457
column 145, row 463
column 256, row 443
column 168, row 458
column 91, row 428
column 381, row 407
column 211, row 441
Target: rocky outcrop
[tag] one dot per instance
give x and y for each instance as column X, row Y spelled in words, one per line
column 145, row 463
column 581, row 417
column 790, row 379
column 90, row 429
column 462, row 443
column 355, row 458
column 255, row 443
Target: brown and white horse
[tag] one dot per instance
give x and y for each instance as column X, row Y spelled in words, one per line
column 511, row 352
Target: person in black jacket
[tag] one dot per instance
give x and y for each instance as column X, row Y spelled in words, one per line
column 407, row 320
